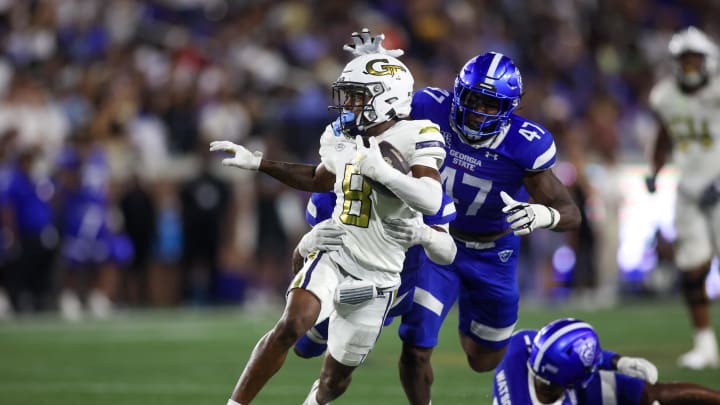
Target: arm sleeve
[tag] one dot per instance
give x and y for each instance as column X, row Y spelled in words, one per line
column 423, row 194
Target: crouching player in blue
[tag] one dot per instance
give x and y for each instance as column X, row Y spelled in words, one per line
column 564, row 364
column 424, row 239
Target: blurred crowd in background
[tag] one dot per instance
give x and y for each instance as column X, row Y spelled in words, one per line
column 107, row 107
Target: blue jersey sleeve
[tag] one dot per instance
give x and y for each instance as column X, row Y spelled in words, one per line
column 510, row 385
column 533, row 145
column 610, row 388
column 606, row 363
column 320, row 207
column 445, row 214
column 431, row 103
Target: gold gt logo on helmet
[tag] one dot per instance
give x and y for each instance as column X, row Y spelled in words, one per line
column 385, row 69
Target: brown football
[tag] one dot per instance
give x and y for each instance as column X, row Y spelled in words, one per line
column 395, row 159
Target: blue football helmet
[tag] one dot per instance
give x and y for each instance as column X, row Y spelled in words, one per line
column 566, row 352
column 487, row 90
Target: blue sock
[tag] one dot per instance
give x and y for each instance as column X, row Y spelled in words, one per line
column 314, row 342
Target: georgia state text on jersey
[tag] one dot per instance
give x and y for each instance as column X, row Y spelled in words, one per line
column 360, row 210
column 475, row 175
column 513, row 382
column 693, row 123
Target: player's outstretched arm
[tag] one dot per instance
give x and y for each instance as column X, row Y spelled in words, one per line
column 421, row 191
column 679, row 393
column 296, row 175
column 546, row 189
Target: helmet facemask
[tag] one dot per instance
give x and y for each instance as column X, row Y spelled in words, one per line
column 479, row 113
column 355, row 101
column 690, row 72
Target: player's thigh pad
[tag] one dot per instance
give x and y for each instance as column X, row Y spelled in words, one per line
column 489, row 296
column 321, row 276
column 693, row 245
column 435, row 293
column 353, row 330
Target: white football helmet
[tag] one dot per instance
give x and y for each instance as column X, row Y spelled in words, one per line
column 693, row 40
column 385, row 81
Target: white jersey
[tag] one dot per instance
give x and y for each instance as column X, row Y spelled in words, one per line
column 368, row 253
column 693, row 123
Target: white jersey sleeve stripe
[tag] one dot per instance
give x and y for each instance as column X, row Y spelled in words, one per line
column 312, row 209
column 608, row 388
column 545, row 157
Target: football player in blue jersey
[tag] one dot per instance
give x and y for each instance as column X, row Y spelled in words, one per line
column 494, row 159
column 564, row 364
column 326, row 236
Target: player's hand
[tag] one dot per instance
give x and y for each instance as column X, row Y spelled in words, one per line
column 364, row 44
column 369, row 161
column 407, row 232
column 525, row 217
column 638, row 367
column 242, row 158
column 325, row 236
column 650, row 183
column 345, row 119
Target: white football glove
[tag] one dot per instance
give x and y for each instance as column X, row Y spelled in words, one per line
column 369, row 161
column 638, row 367
column 364, row 44
column 407, row 232
column 325, row 236
column 525, row 217
column 243, row 158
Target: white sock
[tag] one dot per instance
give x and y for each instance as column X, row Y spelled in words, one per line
column 705, row 339
column 232, row 402
column 312, row 396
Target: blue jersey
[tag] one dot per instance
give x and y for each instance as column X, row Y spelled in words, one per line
column 482, row 278
column 87, row 237
column 29, row 200
column 513, row 383
column 86, row 208
column 475, row 176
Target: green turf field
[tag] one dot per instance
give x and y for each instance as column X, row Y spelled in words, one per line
column 194, row 357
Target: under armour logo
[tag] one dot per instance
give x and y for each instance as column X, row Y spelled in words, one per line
column 489, row 155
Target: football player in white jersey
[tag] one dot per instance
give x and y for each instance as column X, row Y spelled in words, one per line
column 687, row 109
column 354, row 285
